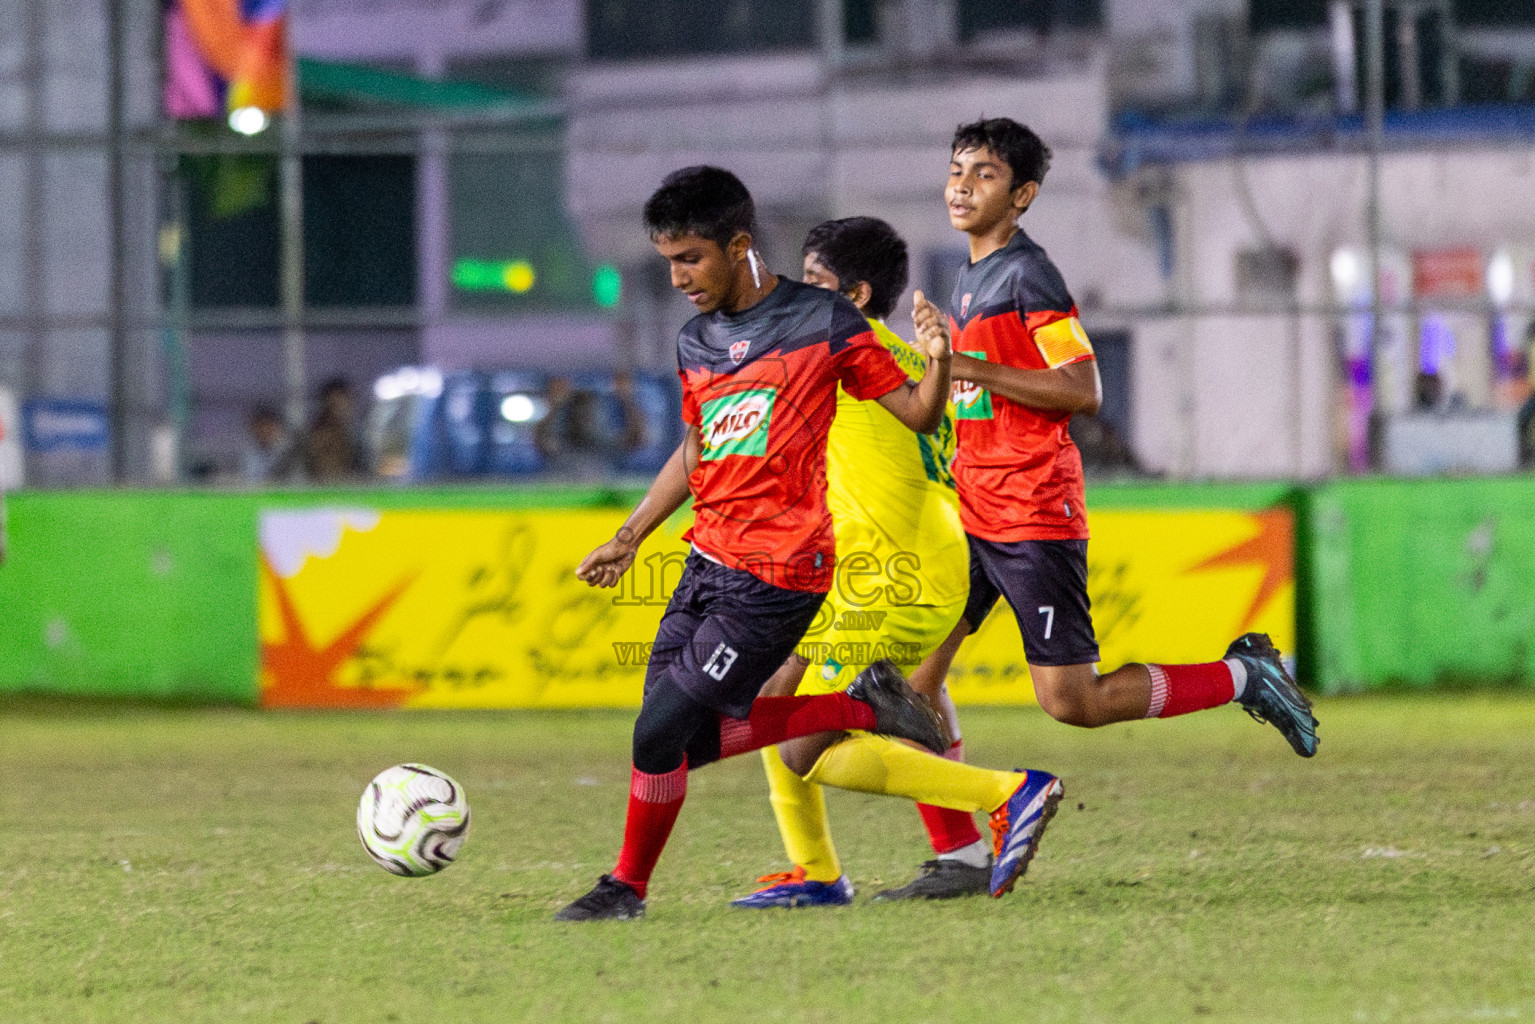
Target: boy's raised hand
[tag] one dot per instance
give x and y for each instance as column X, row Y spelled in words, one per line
column 932, row 328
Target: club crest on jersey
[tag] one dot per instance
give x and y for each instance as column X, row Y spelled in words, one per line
column 737, row 424
column 738, row 351
column 964, row 305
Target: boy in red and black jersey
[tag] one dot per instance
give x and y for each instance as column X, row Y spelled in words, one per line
column 1022, row 365
column 760, row 386
column 760, row 366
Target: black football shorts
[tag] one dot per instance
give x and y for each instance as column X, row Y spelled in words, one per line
column 725, row 632
column 1045, row 581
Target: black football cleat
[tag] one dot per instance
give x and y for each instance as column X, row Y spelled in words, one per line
column 899, row 710
column 1271, row 695
column 609, row 900
column 942, row 880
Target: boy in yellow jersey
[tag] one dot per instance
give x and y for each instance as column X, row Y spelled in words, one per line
column 901, row 583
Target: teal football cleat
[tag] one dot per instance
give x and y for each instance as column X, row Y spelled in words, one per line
column 1271, row 695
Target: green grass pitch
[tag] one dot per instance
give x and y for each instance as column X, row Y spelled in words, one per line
column 200, row 865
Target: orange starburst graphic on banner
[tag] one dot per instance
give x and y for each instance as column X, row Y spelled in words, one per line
column 1272, row 548
column 303, row 675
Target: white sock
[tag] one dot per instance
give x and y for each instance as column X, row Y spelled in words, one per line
column 976, row 855
column 1238, row 677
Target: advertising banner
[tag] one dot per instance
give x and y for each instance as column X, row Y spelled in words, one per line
column 368, row 608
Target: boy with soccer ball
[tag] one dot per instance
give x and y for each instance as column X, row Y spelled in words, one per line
column 760, row 366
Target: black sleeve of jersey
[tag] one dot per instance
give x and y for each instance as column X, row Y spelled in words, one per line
column 690, row 347
column 957, row 295
column 846, row 322
column 1038, row 286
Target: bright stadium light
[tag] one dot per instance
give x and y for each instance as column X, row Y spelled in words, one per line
column 409, row 380
column 387, row 388
column 517, row 408
column 430, row 382
column 1345, row 272
column 519, row 276
column 249, row 120
column 1500, row 278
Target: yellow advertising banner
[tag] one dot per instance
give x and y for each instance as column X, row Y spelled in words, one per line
column 474, row 609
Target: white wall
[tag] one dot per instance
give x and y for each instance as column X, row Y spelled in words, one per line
column 1257, row 396
column 812, row 145
column 427, row 33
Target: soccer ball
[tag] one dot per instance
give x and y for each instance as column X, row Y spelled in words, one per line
column 412, row 820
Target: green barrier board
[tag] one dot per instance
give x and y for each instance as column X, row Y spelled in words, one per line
column 151, row 594
column 1420, row 583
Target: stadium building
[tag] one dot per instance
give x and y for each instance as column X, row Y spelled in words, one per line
column 470, row 176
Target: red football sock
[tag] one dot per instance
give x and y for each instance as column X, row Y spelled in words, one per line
column 947, row 829
column 654, row 801
column 775, row 719
column 1179, row 689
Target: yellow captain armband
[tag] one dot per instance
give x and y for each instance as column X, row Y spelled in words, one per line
column 1062, row 341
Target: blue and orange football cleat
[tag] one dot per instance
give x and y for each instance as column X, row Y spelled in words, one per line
column 793, row 889
column 1017, row 825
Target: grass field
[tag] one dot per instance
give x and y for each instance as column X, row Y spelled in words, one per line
column 200, row 865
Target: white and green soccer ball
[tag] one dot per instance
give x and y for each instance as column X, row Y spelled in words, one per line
column 412, row 820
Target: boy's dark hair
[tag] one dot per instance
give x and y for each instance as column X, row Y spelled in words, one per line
column 1024, row 152
column 862, row 249
column 706, row 201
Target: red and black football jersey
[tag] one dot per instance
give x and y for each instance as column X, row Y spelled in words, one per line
column 1019, row 474
column 761, row 387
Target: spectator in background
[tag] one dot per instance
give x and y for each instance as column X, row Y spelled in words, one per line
column 547, row 435
column 331, row 449
column 577, row 444
column 1103, row 451
column 632, row 436
column 1428, row 392
column 268, row 453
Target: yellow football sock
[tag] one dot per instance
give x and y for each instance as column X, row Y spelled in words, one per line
column 877, row 764
column 800, row 808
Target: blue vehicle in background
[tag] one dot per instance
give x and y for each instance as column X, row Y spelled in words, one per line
column 587, row 427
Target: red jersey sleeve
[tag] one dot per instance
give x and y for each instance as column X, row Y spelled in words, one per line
column 865, row 368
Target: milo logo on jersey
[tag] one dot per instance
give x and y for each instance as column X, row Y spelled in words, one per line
column 971, row 401
column 737, row 424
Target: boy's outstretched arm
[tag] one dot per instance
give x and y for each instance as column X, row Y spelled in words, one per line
column 1074, row 387
column 605, row 566
column 920, row 404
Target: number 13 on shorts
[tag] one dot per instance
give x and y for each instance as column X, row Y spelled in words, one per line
column 1048, row 611
column 724, row 656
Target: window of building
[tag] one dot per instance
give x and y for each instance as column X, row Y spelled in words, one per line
column 514, row 247
column 619, row 29
column 978, row 17
column 860, row 22
column 359, row 231
column 1277, row 14
column 232, row 230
